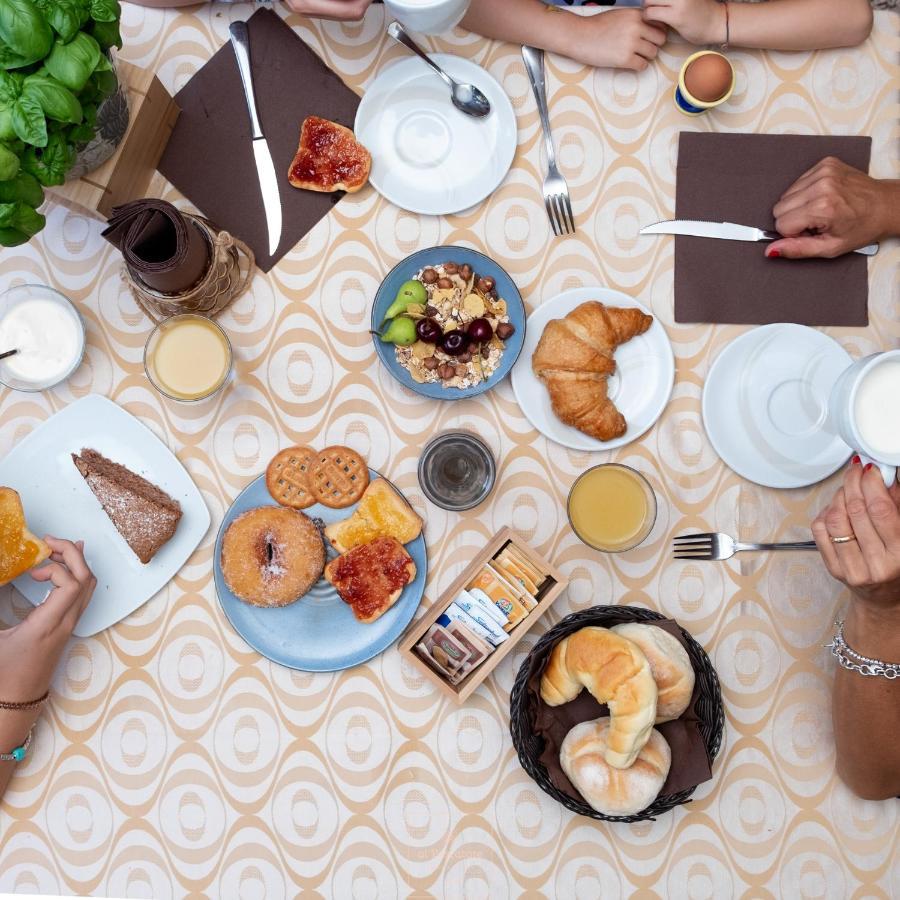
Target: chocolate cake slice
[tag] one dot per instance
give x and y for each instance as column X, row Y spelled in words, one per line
column 143, row 514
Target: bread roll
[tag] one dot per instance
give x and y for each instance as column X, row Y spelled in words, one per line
column 669, row 663
column 617, row 673
column 612, row 791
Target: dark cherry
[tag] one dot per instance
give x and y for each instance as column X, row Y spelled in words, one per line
column 480, row 331
column 455, row 343
column 428, row 330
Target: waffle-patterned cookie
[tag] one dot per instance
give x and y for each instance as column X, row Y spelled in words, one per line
column 339, row 477
column 288, row 477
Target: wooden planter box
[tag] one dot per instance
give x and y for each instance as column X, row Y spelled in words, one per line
column 126, row 175
column 555, row 584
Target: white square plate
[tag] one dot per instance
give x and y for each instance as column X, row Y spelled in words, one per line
column 58, row 501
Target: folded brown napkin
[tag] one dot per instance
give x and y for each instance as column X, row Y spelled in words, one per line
column 739, row 178
column 161, row 248
column 209, row 157
column 690, row 762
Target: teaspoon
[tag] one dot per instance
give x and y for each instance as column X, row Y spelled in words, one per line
column 8, row 353
column 466, row 97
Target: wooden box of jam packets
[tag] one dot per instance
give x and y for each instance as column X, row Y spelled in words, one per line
column 505, row 558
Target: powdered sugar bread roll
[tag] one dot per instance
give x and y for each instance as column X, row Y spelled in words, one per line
column 669, row 663
column 611, row 791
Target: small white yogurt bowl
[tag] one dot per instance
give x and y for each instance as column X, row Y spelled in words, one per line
column 45, row 362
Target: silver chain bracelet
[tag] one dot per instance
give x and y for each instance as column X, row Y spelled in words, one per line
column 856, row 662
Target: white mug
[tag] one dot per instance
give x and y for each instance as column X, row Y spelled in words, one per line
column 428, row 16
column 864, row 409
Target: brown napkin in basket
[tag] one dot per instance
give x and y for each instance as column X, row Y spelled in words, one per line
column 161, row 248
column 209, row 157
column 690, row 762
column 739, row 178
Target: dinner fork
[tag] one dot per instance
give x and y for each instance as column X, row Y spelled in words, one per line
column 556, row 191
column 716, row 546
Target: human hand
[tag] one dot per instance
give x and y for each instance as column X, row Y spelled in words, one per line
column 30, row 651
column 870, row 565
column 844, row 209
column 340, row 10
column 697, row 21
column 618, row 39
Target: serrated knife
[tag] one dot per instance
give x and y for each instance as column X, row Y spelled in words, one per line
column 726, row 231
column 265, row 168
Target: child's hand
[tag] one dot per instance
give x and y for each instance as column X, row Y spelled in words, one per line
column 618, row 39
column 30, row 651
column 697, row 21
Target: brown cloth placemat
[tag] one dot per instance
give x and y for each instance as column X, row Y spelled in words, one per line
column 209, row 157
column 739, row 178
column 690, row 762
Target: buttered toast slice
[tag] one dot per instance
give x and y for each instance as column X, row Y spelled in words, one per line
column 20, row 550
column 382, row 512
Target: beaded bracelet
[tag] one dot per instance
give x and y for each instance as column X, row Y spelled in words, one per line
column 28, row 704
column 856, row 662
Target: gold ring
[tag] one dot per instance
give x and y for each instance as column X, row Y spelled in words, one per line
column 843, row 540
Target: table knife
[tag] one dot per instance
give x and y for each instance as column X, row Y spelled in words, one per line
column 265, row 168
column 726, row 231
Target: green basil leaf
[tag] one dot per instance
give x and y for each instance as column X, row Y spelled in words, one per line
column 29, row 122
column 27, row 219
column 9, row 163
column 7, row 212
column 49, row 164
column 105, row 10
column 72, row 63
column 10, row 87
column 10, row 237
column 24, row 30
column 105, row 85
column 103, row 64
column 107, row 34
column 7, row 132
column 82, row 134
column 24, row 188
column 66, row 16
column 57, row 101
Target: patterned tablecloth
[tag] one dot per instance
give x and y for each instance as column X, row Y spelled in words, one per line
column 174, row 760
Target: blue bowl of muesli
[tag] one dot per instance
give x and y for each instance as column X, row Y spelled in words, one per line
column 462, row 286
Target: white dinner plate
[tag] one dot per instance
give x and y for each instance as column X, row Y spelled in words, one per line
column 58, row 501
column 765, row 405
column 427, row 156
column 640, row 386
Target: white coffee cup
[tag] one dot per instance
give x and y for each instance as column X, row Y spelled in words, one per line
column 428, row 16
column 864, row 409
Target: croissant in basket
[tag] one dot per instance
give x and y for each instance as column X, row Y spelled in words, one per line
column 574, row 359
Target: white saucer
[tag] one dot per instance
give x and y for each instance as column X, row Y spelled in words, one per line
column 427, row 156
column 640, row 387
column 765, row 405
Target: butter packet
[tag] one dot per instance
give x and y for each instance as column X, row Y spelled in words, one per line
column 511, row 569
column 483, row 626
column 499, row 593
column 525, row 598
column 518, row 555
column 480, row 601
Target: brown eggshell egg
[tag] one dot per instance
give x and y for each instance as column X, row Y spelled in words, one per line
column 708, row 77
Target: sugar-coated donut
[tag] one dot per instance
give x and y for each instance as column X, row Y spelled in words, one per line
column 271, row 556
column 611, row 791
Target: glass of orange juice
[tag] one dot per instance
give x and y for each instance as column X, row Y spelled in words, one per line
column 188, row 357
column 612, row 507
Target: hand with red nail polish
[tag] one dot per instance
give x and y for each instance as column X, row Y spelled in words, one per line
column 833, row 209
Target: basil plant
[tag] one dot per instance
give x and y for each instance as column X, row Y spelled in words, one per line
column 54, row 74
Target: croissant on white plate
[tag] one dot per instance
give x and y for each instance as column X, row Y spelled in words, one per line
column 574, row 359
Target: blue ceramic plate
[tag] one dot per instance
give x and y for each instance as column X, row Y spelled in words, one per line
column 481, row 265
column 318, row 633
